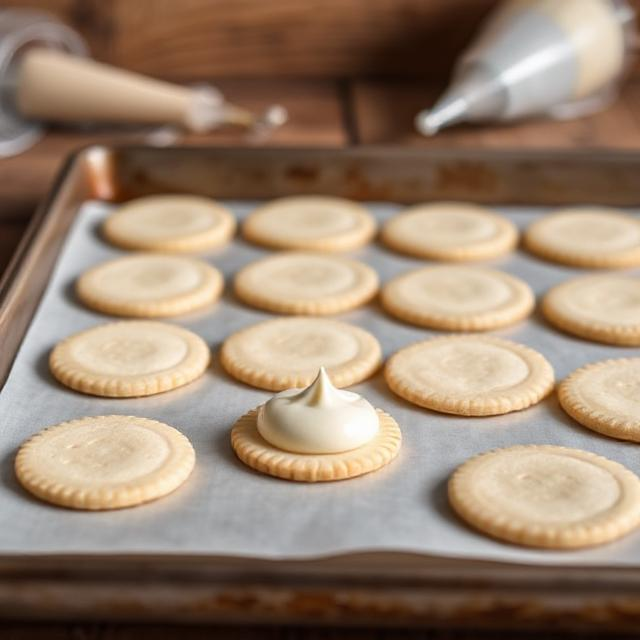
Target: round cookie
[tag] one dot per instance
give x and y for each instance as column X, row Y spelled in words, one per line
column 604, row 308
column 458, row 298
column 546, row 496
column 304, row 283
column 104, row 462
column 469, row 375
column 287, row 352
column 604, row 397
column 170, row 223
column 594, row 237
column 453, row 231
column 314, row 223
column 129, row 359
column 259, row 454
column 150, row 286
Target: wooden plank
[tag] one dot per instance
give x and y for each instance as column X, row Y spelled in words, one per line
column 384, row 113
column 289, row 37
column 110, row 631
column 194, row 39
column 322, row 38
column 316, row 119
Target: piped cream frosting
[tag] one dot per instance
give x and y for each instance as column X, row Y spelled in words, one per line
column 317, row 420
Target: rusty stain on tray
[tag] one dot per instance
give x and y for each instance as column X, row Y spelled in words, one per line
column 472, row 177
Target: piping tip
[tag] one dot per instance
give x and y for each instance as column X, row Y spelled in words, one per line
column 274, row 116
column 450, row 109
column 474, row 96
column 425, row 124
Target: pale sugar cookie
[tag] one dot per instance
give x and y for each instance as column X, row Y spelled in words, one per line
column 304, row 283
column 262, row 456
column 470, row 375
column 104, row 462
column 150, row 286
column 315, row 223
column 546, row 496
column 454, row 231
column 458, row 298
column 130, row 358
column 287, row 352
column 586, row 237
column 170, row 223
column 604, row 308
column 605, row 397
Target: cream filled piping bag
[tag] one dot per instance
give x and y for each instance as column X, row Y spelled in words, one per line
column 54, row 85
column 562, row 58
column 46, row 76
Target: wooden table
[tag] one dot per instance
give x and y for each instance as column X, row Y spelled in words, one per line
column 101, row 631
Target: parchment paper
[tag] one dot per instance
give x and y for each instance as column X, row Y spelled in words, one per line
column 226, row 508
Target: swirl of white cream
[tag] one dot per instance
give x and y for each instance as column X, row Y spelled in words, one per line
column 319, row 419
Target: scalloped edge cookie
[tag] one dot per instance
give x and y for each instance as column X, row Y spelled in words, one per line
column 206, row 293
column 361, row 234
column 342, row 375
column 254, row 451
column 216, row 236
column 530, row 391
column 573, row 402
column 534, row 242
column 394, row 236
column 74, row 376
column 516, row 309
column 607, row 333
column 250, row 290
column 173, row 472
column 570, row 535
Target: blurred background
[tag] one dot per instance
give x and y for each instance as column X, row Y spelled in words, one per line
column 349, row 72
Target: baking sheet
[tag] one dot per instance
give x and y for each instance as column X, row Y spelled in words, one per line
column 226, row 508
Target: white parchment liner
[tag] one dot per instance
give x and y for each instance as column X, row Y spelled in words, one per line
column 226, row 508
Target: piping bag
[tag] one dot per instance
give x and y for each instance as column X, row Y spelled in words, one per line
column 46, row 75
column 560, row 58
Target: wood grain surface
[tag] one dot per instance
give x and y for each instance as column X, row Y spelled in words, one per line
column 384, row 112
column 96, row 631
column 191, row 39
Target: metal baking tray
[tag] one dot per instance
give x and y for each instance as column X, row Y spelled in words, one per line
column 386, row 586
